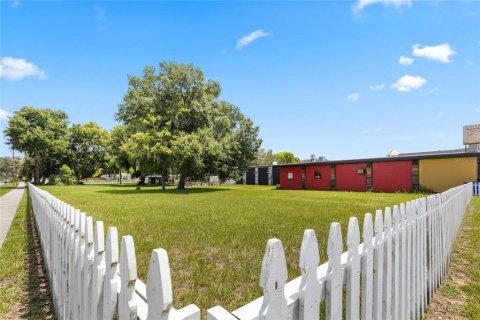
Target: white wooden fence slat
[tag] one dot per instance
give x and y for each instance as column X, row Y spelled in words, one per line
column 272, row 279
column 111, row 281
column 334, row 273
column 127, row 304
column 403, row 261
column 309, row 291
column 88, row 269
column 378, row 266
column 396, row 281
column 367, row 268
column 98, row 272
column 353, row 270
column 387, row 262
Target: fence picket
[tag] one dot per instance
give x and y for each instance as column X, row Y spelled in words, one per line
column 387, row 262
column 88, row 269
column 367, row 268
column 309, row 291
column 378, row 266
column 272, row 279
column 127, row 304
column 396, row 263
column 334, row 273
column 353, row 270
column 111, row 281
column 98, row 272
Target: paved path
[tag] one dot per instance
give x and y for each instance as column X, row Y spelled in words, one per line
column 8, row 207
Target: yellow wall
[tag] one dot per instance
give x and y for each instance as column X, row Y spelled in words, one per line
column 442, row 174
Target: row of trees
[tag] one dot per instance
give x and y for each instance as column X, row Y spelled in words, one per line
column 172, row 122
column 267, row 157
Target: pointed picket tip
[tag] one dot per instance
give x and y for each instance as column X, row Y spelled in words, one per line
column 335, row 245
column 112, row 245
column 274, row 265
column 378, row 221
column 159, row 283
column 403, row 212
column 367, row 229
column 82, row 224
column 99, row 238
column 387, row 223
column 396, row 215
column 89, row 230
column 309, row 255
column 353, row 233
column 128, row 261
column 77, row 220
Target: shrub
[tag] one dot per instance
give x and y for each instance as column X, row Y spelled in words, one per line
column 66, row 175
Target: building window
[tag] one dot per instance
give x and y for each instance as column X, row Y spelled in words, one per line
column 317, row 175
column 361, row 171
column 290, row 175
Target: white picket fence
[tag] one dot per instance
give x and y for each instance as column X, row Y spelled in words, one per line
column 476, row 188
column 392, row 275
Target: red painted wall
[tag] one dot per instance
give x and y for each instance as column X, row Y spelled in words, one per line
column 392, row 176
column 318, row 184
column 347, row 179
column 296, row 182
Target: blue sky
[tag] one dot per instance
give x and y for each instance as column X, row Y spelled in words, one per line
column 345, row 79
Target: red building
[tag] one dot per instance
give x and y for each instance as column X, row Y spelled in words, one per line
column 318, row 177
column 392, row 176
column 291, row 177
column 351, row 176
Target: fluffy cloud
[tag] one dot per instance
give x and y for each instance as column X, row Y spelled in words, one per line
column 377, row 87
column 408, row 83
column 4, row 114
column 17, row 69
column 361, row 4
column 440, row 53
column 246, row 40
column 406, row 61
column 353, row 97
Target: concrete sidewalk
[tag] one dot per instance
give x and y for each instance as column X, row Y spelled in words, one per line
column 8, row 207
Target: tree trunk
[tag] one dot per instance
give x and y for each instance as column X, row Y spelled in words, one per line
column 181, row 182
column 36, row 177
column 120, row 170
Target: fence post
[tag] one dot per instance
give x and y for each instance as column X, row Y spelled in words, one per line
column 387, row 262
column 396, row 263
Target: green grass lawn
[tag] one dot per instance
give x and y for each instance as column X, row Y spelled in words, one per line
column 216, row 236
column 4, row 188
column 24, row 290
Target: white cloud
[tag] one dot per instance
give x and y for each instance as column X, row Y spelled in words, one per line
column 15, row 3
column 477, row 110
column 353, row 97
column 4, row 114
column 406, row 61
column 370, row 130
column 440, row 53
column 246, row 40
column 377, row 87
column 408, row 83
column 17, row 69
column 361, row 4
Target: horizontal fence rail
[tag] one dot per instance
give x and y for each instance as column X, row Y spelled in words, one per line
column 393, row 274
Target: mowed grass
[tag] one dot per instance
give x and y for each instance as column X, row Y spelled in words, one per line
column 4, row 188
column 216, row 236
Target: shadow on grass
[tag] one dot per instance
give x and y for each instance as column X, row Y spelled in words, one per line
column 37, row 303
column 146, row 190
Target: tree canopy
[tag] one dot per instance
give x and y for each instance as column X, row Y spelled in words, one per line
column 42, row 135
column 174, row 119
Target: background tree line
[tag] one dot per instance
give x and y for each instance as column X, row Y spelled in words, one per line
column 173, row 123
